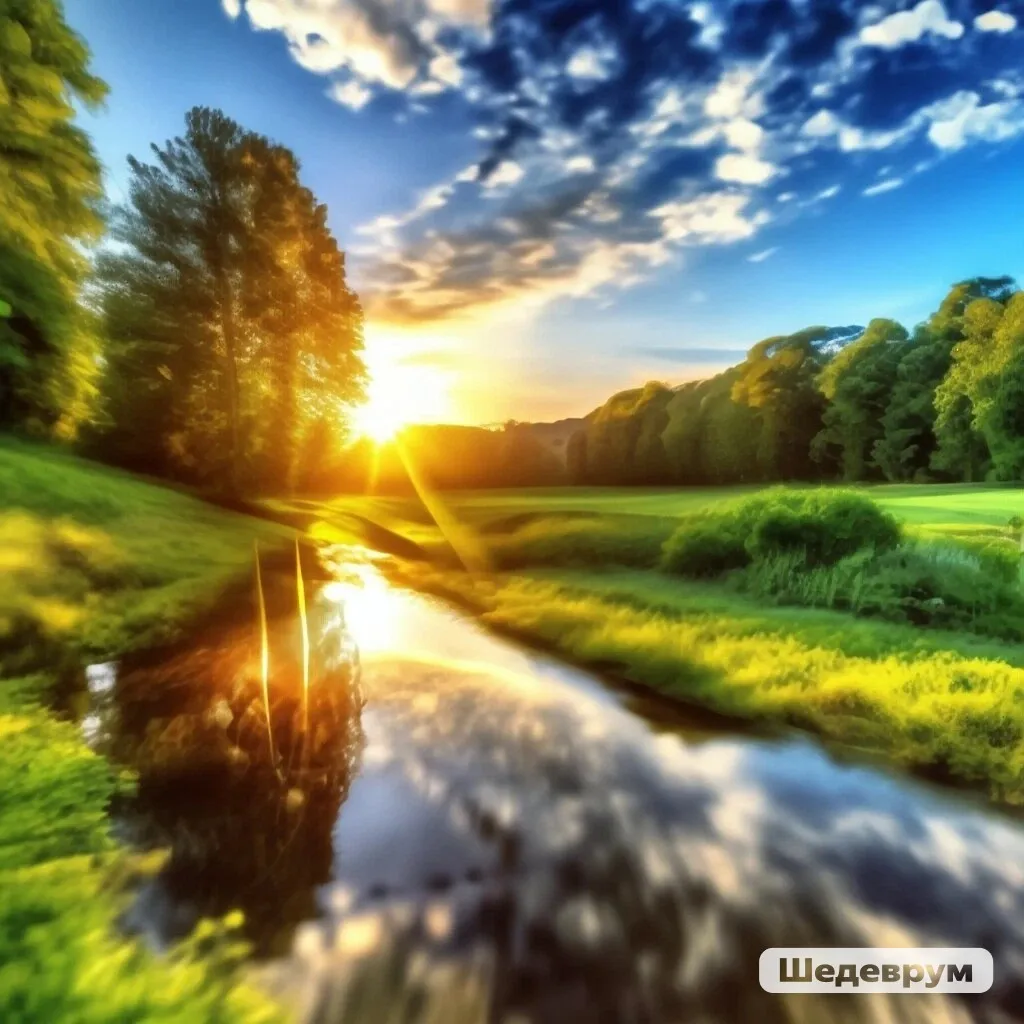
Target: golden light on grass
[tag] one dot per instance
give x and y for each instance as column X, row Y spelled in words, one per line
column 264, row 652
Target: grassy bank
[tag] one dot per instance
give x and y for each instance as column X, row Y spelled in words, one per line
column 93, row 563
column 899, row 650
column 948, row 705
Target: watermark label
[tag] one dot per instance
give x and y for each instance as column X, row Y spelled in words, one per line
column 867, row 969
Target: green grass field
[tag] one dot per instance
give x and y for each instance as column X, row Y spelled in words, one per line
column 92, row 563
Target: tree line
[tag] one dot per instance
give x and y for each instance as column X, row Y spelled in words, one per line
column 212, row 336
column 943, row 402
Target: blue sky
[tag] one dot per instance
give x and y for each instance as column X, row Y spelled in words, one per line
column 545, row 201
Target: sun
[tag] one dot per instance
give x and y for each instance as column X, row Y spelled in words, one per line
column 398, row 395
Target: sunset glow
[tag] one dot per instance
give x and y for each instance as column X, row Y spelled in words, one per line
column 400, row 391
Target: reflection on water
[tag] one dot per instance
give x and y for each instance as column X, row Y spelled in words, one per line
column 518, row 840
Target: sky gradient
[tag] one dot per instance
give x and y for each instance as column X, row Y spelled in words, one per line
column 545, row 201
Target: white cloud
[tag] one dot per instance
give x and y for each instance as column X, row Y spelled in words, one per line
column 883, row 186
column 785, row 197
column 962, row 119
column 995, row 21
column 720, row 217
column 823, row 124
column 829, row 193
column 928, row 17
column 590, row 64
column 764, row 254
column 379, row 43
column 579, row 165
column 445, row 69
column 744, row 169
column 742, row 133
column 732, row 96
column 352, row 94
column 508, row 172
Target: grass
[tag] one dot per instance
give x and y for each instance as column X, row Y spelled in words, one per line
column 946, row 704
column 584, row 583
column 92, row 563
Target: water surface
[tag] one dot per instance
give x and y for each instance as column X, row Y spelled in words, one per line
column 527, row 842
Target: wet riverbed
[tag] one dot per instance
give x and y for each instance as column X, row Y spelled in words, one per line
column 526, row 842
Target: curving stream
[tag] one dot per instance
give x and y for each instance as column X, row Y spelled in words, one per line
column 512, row 839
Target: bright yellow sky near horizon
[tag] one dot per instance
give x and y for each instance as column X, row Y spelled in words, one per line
column 479, row 372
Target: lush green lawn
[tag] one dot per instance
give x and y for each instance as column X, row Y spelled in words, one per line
column 933, row 505
column 92, row 562
column 953, row 509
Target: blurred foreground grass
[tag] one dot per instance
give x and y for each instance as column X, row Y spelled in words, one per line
column 92, row 563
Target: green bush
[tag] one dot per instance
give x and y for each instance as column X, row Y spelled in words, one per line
column 815, row 527
column 933, row 584
column 823, row 525
column 706, row 545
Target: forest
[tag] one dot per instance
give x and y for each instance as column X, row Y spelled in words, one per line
column 941, row 403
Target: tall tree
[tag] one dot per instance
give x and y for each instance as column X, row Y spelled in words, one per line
column 909, row 446
column 51, row 189
column 232, row 328
column 857, row 383
column 779, row 379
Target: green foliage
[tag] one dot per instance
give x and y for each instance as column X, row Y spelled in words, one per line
column 50, row 181
column 778, row 378
column 707, row 545
column 232, row 329
column 946, row 403
column 857, row 383
column 818, row 526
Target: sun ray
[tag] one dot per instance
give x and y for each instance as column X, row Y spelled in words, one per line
column 304, row 626
column 264, row 653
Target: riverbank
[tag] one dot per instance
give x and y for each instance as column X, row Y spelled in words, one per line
column 94, row 564
column 945, row 705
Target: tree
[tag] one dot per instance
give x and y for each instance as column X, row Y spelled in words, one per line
column 232, row 328
column 857, row 383
column 779, row 379
column 50, row 181
column 909, row 445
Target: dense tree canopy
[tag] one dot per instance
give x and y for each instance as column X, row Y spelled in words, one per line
column 50, row 194
column 234, row 340
column 945, row 402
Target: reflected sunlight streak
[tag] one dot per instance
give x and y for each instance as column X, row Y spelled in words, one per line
column 264, row 652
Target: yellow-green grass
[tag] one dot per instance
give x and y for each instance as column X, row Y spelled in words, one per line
column 92, row 563
column 948, row 704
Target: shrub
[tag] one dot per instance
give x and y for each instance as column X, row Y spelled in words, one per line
column 706, row 546
column 816, row 528
column 938, row 585
column 825, row 525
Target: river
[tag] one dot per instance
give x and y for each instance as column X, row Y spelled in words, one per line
column 515, row 839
